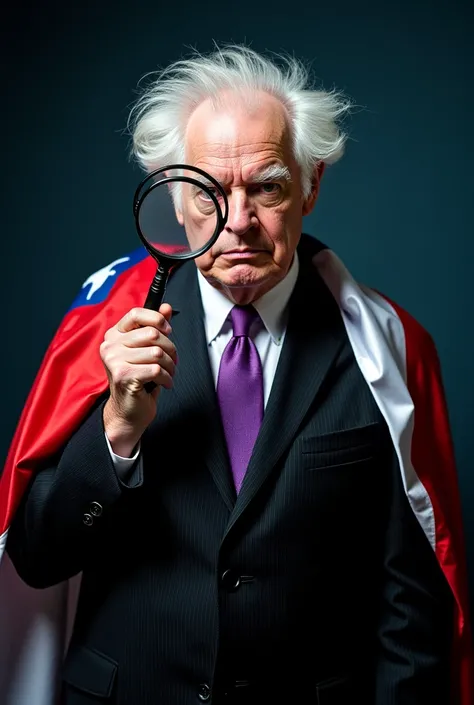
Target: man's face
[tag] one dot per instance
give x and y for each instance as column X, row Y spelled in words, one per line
column 249, row 153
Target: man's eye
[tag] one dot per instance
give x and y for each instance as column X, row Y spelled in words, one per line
column 205, row 195
column 270, row 188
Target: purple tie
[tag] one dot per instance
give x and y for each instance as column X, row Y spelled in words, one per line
column 240, row 392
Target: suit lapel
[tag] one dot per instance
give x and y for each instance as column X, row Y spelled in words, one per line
column 314, row 337
column 193, row 383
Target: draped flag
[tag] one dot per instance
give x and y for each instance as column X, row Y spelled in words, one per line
column 399, row 362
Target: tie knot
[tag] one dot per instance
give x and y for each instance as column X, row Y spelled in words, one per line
column 242, row 319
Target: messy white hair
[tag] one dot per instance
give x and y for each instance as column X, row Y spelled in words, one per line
column 158, row 120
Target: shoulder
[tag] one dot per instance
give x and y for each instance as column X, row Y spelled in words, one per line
column 419, row 342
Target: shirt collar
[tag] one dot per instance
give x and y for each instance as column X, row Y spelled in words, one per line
column 271, row 306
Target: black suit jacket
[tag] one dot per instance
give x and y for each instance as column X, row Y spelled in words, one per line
column 315, row 585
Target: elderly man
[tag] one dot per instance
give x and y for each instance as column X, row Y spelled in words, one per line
column 243, row 532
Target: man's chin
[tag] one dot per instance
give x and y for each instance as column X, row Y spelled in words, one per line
column 243, row 275
column 243, row 284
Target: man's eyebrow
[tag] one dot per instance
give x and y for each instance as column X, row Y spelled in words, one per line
column 274, row 172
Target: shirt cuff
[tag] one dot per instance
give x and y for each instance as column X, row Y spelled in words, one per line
column 122, row 465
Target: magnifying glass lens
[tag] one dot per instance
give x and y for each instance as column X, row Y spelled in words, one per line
column 179, row 216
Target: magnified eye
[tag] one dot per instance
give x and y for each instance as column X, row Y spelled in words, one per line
column 204, row 195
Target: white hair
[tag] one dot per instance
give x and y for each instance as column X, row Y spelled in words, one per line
column 158, row 120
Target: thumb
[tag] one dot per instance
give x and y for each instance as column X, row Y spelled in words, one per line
column 166, row 311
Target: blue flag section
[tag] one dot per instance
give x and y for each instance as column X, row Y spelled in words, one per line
column 98, row 285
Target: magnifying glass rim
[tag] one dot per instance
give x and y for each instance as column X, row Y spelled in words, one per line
column 207, row 176
column 159, row 254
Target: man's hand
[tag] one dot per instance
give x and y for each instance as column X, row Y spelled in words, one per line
column 134, row 352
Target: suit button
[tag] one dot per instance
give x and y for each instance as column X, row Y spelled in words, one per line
column 87, row 520
column 230, row 580
column 95, row 509
column 204, row 692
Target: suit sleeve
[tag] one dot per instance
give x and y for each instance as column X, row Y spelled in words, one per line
column 68, row 506
column 415, row 625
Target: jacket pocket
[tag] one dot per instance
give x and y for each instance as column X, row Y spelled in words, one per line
column 90, row 671
column 342, row 447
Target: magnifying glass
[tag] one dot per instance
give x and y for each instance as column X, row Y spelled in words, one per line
column 179, row 213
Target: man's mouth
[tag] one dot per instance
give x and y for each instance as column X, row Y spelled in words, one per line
column 242, row 252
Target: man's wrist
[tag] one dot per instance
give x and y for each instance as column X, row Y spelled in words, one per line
column 122, row 438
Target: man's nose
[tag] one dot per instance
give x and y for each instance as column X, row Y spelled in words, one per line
column 242, row 216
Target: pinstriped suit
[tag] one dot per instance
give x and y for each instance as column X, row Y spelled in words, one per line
column 314, row 585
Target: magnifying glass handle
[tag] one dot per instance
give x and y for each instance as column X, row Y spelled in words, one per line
column 154, row 300
column 156, row 292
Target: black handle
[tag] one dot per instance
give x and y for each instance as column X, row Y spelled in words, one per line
column 156, row 292
column 155, row 298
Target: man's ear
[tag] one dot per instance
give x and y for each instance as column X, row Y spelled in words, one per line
column 310, row 201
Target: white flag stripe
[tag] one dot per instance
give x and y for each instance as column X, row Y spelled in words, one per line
column 378, row 340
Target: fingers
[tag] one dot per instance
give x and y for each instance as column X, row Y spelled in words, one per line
column 134, row 377
column 151, row 355
column 166, row 311
column 143, row 328
column 143, row 317
column 131, row 378
column 137, row 350
column 148, row 337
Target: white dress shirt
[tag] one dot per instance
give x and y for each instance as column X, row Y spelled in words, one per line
column 268, row 334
